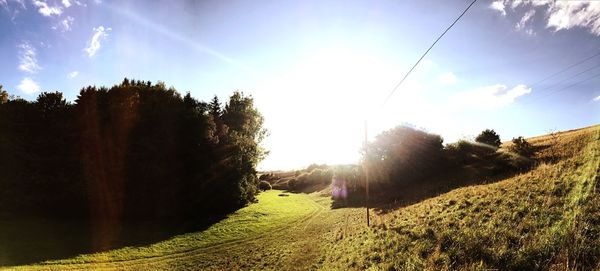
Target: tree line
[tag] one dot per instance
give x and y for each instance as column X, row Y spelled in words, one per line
column 136, row 150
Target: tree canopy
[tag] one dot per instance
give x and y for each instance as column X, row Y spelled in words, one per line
column 489, row 137
column 135, row 150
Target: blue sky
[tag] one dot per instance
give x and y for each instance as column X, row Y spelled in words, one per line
column 318, row 69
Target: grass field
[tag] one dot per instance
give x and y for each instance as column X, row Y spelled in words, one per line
column 282, row 230
column 547, row 218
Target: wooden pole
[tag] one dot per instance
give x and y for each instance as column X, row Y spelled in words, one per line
column 366, row 168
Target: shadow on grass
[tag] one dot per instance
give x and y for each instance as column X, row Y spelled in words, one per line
column 389, row 198
column 33, row 240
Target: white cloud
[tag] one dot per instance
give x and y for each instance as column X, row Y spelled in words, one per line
column 6, row 4
column 448, row 78
column 597, row 99
column 493, row 96
column 45, row 9
column 94, row 45
column 28, row 58
column 13, row 7
column 73, row 74
column 499, row 6
column 559, row 15
column 64, row 25
column 28, row 86
column 66, row 3
column 569, row 14
column 521, row 25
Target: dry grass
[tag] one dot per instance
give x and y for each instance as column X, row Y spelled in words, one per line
column 543, row 219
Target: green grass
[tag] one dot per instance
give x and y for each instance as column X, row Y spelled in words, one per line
column 272, row 212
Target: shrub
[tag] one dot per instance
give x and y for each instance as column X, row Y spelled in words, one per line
column 489, row 137
column 460, row 151
column 522, row 147
column 292, row 184
column 311, row 180
column 404, row 154
column 264, row 185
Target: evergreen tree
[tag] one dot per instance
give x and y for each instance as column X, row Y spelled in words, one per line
column 489, row 137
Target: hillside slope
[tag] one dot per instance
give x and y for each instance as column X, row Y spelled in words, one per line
column 547, row 218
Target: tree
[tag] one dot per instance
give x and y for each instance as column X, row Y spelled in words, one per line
column 404, row 154
column 51, row 103
column 242, row 147
column 489, row 137
column 215, row 107
column 136, row 150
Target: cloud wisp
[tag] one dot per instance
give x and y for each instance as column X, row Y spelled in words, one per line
column 558, row 15
column 28, row 58
column 597, row 99
column 47, row 10
column 490, row 97
column 65, row 25
column 183, row 39
column 499, row 6
column 100, row 33
column 73, row 74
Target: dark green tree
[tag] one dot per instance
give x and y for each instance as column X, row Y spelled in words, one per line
column 215, row 107
column 489, row 137
column 133, row 151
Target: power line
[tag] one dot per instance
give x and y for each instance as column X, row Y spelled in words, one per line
column 568, row 78
column 392, row 93
column 424, row 54
column 569, row 86
column 566, row 69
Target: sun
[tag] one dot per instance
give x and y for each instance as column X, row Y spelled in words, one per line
column 318, row 107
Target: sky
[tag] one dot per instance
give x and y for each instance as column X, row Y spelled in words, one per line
column 319, row 70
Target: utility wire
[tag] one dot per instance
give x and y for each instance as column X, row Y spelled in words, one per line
column 569, row 86
column 424, row 54
column 566, row 69
column 568, row 78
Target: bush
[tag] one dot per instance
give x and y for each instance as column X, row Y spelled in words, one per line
column 292, row 184
column 404, row 154
column 522, row 147
column 489, row 137
column 264, row 185
column 311, row 181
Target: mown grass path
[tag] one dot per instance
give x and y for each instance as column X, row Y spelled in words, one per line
column 277, row 232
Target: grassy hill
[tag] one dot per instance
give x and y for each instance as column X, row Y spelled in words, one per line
column 547, row 218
